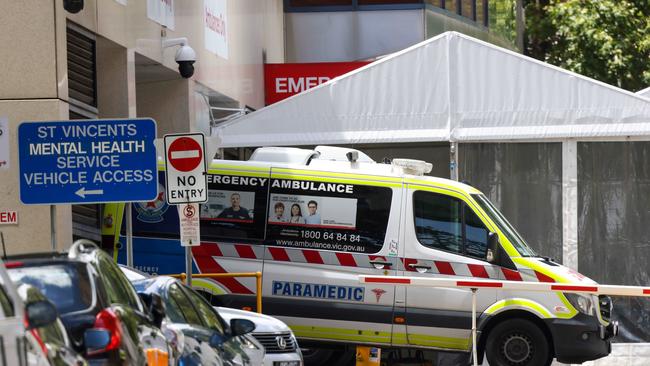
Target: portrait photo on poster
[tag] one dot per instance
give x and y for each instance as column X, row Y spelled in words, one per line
column 316, row 211
column 229, row 206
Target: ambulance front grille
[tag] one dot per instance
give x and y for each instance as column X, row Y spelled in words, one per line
column 273, row 344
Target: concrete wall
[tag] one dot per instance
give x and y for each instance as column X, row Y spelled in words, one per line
column 254, row 28
column 34, row 78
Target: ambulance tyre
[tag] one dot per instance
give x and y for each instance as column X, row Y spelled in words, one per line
column 327, row 356
column 517, row 342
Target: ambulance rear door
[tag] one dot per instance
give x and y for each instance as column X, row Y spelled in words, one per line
column 232, row 231
column 325, row 229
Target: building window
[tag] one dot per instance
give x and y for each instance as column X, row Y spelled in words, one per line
column 475, row 10
column 350, row 5
column 308, row 3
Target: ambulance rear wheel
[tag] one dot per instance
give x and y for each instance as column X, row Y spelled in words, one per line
column 517, row 342
column 327, row 356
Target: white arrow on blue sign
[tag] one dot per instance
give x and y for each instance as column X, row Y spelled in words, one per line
column 90, row 161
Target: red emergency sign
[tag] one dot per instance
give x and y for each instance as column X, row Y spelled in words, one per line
column 8, row 217
column 284, row 80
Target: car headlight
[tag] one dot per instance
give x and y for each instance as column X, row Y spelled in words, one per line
column 582, row 303
column 247, row 343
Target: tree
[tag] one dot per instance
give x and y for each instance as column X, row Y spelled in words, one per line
column 608, row 40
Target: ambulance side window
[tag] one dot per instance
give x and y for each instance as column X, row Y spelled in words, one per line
column 446, row 223
column 327, row 216
column 476, row 235
column 438, row 222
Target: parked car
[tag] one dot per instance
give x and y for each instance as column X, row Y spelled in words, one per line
column 105, row 318
column 191, row 317
column 44, row 325
column 277, row 338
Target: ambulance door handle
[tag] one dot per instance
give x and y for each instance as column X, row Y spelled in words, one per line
column 381, row 264
column 420, row 267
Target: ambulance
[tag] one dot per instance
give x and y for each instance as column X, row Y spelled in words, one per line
column 312, row 221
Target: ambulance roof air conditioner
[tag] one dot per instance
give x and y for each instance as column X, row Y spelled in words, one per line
column 333, row 153
column 290, row 155
column 412, row 166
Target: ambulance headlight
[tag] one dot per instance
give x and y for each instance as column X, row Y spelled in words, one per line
column 583, row 303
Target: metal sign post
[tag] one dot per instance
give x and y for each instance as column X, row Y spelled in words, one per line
column 129, row 235
column 187, row 185
column 53, row 226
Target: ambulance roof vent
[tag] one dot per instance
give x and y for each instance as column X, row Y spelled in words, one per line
column 414, row 167
column 290, row 155
column 333, row 153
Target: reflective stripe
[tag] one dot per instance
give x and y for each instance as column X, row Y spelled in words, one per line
column 340, row 334
column 236, row 167
column 518, row 303
column 572, row 311
column 539, row 268
column 240, row 173
column 323, row 178
column 439, row 342
column 381, row 178
column 208, row 285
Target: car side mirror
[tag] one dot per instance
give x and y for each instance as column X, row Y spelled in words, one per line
column 155, row 306
column 217, row 339
column 40, row 314
column 96, row 340
column 241, row 326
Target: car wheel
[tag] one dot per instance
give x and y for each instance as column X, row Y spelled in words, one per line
column 517, row 342
column 327, row 356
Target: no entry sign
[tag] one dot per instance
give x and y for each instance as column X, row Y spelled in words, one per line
column 185, row 168
column 185, row 154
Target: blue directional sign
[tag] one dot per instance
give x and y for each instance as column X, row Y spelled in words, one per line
column 92, row 161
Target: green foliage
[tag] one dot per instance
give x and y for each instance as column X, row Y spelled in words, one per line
column 608, row 40
column 502, row 18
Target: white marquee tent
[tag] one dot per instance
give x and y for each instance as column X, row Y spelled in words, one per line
column 456, row 89
column 644, row 93
column 448, row 88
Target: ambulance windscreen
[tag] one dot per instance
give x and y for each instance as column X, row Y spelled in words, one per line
column 506, row 228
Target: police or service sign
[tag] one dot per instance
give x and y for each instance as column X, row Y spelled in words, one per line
column 185, row 168
column 188, row 216
column 87, row 161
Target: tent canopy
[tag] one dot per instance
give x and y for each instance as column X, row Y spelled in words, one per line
column 448, row 88
column 644, row 93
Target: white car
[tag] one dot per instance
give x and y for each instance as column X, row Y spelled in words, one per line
column 276, row 337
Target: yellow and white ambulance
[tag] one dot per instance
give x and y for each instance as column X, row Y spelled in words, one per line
column 312, row 221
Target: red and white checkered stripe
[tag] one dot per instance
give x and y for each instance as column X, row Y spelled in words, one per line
column 206, row 261
column 612, row 290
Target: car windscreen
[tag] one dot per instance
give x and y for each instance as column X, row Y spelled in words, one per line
column 67, row 285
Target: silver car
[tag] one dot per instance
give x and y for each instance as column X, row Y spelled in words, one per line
column 276, row 337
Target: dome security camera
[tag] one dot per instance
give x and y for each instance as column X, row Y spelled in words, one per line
column 185, row 56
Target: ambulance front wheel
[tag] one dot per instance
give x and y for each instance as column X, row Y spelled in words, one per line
column 517, row 342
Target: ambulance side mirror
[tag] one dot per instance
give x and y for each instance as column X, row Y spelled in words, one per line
column 496, row 254
column 493, row 246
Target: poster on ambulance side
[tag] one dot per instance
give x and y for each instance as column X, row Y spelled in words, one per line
column 327, row 216
column 313, row 211
column 235, row 207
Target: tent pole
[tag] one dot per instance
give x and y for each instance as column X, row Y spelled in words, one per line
column 453, row 161
column 570, row 204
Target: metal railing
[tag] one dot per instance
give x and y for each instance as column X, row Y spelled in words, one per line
column 257, row 275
